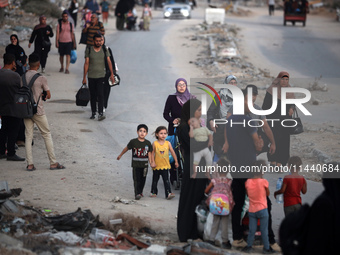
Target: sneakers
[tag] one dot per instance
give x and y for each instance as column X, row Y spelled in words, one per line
column 153, row 195
column 15, row 157
column 170, row 196
column 275, row 247
column 101, row 117
column 139, row 196
column 226, row 245
column 247, row 249
column 269, row 251
column 93, row 116
column 239, row 243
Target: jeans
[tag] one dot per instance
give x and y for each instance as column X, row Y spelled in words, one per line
column 96, row 87
column 165, row 177
column 139, row 177
column 42, row 124
column 263, row 216
column 8, row 134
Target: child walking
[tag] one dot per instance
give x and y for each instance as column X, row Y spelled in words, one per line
column 257, row 191
column 141, row 154
column 220, row 203
column 160, row 155
column 292, row 186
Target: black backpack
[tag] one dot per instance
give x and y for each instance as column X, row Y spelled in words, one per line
column 59, row 21
column 293, row 231
column 24, row 104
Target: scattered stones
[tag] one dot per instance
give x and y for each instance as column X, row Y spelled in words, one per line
column 316, row 86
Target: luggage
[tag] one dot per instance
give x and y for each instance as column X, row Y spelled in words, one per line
column 83, row 96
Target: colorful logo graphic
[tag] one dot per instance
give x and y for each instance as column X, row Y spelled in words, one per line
column 208, row 92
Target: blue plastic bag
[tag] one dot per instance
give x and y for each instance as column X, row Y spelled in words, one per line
column 172, row 140
column 73, row 56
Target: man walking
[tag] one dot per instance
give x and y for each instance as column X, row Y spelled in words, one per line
column 39, row 88
column 65, row 41
column 9, row 85
column 94, row 68
column 95, row 27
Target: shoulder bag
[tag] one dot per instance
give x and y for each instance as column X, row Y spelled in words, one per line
column 298, row 129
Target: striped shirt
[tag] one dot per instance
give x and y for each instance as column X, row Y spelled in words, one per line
column 92, row 30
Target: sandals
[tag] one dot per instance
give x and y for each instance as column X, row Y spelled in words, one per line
column 61, row 70
column 30, row 169
column 57, row 167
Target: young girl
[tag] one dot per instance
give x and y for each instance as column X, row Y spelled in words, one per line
column 220, row 203
column 160, row 153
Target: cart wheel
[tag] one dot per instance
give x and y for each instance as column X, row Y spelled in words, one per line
column 293, row 23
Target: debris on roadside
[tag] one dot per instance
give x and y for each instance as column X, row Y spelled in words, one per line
column 317, row 86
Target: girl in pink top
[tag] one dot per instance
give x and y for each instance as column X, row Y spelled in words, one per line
column 257, row 191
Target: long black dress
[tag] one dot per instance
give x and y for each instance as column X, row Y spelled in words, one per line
column 192, row 191
column 281, row 134
column 20, row 56
column 38, row 35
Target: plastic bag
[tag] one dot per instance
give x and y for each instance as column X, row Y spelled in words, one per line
column 73, row 56
column 172, row 140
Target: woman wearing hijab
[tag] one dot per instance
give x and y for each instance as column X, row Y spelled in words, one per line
column 172, row 112
column 192, row 189
column 220, row 112
column 41, row 37
column 19, row 53
column 281, row 134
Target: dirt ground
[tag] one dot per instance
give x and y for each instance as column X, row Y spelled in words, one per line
column 91, row 172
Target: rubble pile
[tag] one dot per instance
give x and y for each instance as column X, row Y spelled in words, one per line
column 19, row 22
column 220, row 54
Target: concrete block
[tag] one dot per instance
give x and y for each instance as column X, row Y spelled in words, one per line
column 214, row 15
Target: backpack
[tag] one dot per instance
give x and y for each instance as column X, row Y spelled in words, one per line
column 107, row 69
column 293, row 231
column 220, row 203
column 59, row 21
column 24, row 104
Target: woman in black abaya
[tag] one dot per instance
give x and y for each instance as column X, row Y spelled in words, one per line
column 192, row 190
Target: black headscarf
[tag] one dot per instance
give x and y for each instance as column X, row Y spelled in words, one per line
column 189, row 109
column 19, row 53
